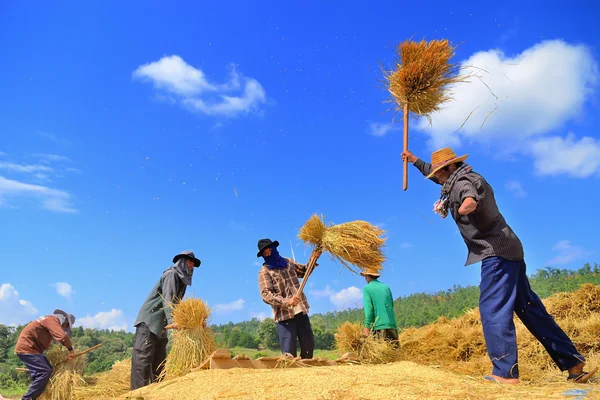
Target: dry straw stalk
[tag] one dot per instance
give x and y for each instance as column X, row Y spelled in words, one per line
column 191, row 344
column 368, row 349
column 355, row 243
column 66, row 376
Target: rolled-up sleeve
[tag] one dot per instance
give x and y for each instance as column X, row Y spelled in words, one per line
column 465, row 189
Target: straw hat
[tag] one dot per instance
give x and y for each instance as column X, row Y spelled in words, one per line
column 443, row 158
column 371, row 271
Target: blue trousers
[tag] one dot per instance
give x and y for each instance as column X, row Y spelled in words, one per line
column 297, row 327
column 505, row 289
column 39, row 370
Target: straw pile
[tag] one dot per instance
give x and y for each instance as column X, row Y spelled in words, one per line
column 191, row 344
column 107, row 384
column 66, row 376
column 352, row 243
column 368, row 349
column 459, row 345
column 423, row 72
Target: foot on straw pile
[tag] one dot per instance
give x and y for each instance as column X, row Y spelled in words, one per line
column 504, row 381
column 578, row 375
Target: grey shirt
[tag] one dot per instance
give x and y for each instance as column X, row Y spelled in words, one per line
column 155, row 312
column 485, row 230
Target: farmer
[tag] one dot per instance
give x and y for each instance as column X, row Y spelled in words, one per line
column 34, row 339
column 504, row 286
column 379, row 308
column 156, row 317
column 278, row 284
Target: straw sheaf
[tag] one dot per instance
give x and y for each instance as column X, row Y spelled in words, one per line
column 422, row 75
column 458, row 345
column 355, row 243
column 193, row 343
column 66, row 376
column 368, row 349
column 108, row 384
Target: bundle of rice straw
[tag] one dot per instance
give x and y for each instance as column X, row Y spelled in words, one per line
column 352, row 243
column 107, row 384
column 66, row 376
column 368, row 349
column 458, row 344
column 418, row 83
column 191, row 344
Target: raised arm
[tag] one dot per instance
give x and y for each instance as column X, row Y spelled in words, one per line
column 422, row 166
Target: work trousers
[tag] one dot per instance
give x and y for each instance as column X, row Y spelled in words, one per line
column 505, row 289
column 147, row 359
column 297, row 327
column 40, row 372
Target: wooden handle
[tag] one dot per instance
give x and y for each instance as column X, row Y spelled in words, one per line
column 88, row 350
column 405, row 180
column 312, row 260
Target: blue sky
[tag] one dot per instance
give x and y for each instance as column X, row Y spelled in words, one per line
column 130, row 132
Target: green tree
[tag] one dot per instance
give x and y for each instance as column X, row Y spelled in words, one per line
column 267, row 334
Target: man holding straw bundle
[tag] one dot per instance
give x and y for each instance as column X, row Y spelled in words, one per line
column 504, row 286
column 278, row 284
column 156, row 317
column 34, row 339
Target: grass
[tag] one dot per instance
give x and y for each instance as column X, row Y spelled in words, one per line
column 15, row 391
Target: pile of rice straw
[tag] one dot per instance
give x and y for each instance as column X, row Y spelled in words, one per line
column 107, row 384
column 368, row 349
column 191, row 344
column 66, row 376
column 422, row 74
column 458, row 344
column 357, row 243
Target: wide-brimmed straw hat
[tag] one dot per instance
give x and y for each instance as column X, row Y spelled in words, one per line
column 371, row 271
column 189, row 255
column 443, row 158
column 264, row 243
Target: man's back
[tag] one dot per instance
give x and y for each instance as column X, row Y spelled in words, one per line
column 379, row 306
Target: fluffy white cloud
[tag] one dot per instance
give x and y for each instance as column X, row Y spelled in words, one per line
column 515, row 100
column 51, row 199
column 567, row 252
column 326, row 292
column 381, row 129
column 64, row 289
column 516, row 188
column 229, row 307
column 112, row 320
column 172, row 75
column 347, row 298
column 13, row 309
column 260, row 315
column 569, row 156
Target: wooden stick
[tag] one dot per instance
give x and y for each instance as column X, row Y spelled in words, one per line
column 310, row 266
column 19, row 369
column 405, row 180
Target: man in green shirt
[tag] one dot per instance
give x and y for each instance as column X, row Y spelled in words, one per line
column 379, row 308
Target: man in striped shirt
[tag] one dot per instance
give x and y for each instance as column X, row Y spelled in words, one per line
column 504, row 286
column 278, row 284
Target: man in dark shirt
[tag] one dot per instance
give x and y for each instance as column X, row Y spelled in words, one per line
column 504, row 286
column 35, row 339
column 156, row 317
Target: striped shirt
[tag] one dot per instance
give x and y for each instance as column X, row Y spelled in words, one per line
column 278, row 284
column 485, row 230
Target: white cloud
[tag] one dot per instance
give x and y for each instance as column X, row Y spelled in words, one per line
column 516, row 100
column 14, row 310
column 326, row 292
column 516, row 188
column 54, row 138
column 229, row 307
column 260, row 315
column 381, row 129
column 173, row 75
column 257, row 263
column 112, row 320
column 347, row 298
column 53, row 158
column 567, row 252
column 24, row 167
column 406, row 245
column 576, row 158
column 64, row 289
column 51, row 199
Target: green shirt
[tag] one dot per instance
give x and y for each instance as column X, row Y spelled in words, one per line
column 379, row 306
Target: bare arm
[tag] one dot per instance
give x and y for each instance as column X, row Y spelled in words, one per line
column 468, row 206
